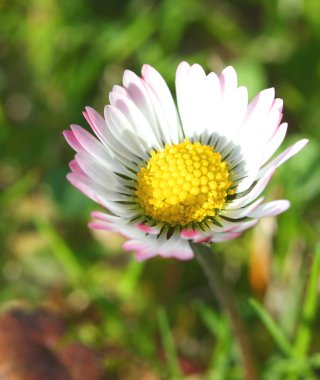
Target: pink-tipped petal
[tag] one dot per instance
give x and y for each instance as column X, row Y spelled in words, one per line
column 145, row 255
column 132, row 245
column 72, row 140
column 95, row 149
column 148, row 229
column 188, row 233
column 75, row 168
column 96, row 122
column 99, row 225
column 203, row 237
column 83, row 184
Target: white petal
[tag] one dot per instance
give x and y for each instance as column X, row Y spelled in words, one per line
column 237, row 227
column 87, row 148
column 147, row 246
column 116, row 148
column 102, row 216
column 200, row 237
column 284, row 156
column 232, row 109
column 97, row 172
column 270, row 209
column 126, row 142
column 208, row 105
column 228, row 81
column 136, row 120
column 176, row 247
column 241, row 212
column 120, row 90
column 191, row 98
column 254, row 192
column 97, row 150
column 275, row 142
column 163, row 104
column 232, row 113
column 98, row 194
column 256, row 132
column 261, row 104
column 219, row 238
column 258, row 122
column 116, row 208
column 136, row 90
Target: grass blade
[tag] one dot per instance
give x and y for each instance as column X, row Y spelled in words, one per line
column 222, row 353
column 61, row 250
column 309, row 308
column 168, row 344
column 278, row 336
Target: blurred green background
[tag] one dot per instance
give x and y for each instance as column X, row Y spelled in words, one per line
column 58, row 56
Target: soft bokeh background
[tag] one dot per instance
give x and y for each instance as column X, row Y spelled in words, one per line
column 59, row 56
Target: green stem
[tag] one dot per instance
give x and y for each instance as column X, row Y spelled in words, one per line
column 212, row 270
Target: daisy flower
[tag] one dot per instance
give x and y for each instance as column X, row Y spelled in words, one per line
column 171, row 173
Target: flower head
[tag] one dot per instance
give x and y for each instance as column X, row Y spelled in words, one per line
column 168, row 174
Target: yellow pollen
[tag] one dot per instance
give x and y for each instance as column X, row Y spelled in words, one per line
column 183, row 183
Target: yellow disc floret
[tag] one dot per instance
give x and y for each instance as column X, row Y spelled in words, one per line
column 183, row 183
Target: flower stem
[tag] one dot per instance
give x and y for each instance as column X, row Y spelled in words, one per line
column 212, row 270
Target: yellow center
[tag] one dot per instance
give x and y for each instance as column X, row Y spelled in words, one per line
column 182, row 184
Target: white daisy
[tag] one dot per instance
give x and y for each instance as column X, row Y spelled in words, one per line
column 169, row 174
